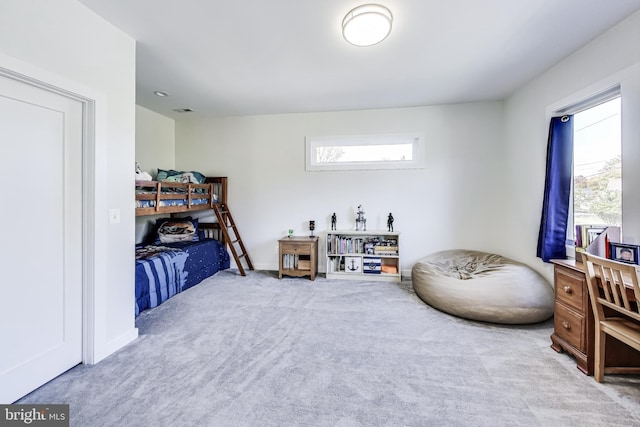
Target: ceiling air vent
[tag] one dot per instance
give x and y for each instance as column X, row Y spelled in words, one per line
column 183, row 110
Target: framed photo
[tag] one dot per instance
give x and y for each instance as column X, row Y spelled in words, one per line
column 625, row 253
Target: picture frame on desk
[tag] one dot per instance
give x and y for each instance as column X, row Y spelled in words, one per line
column 623, row 252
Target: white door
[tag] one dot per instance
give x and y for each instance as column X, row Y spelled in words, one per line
column 41, row 235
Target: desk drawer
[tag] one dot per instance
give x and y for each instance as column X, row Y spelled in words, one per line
column 296, row 249
column 571, row 288
column 570, row 326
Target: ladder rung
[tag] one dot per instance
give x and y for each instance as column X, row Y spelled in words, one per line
column 225, row 221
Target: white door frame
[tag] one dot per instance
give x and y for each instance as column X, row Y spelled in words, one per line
column 38, row 78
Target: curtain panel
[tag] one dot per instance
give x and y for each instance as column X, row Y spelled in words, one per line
column 557, row 190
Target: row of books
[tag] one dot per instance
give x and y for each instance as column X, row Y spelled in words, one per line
column 596, row 239
column 586, row 234
column 337, row 244
column 336, row 264
column 297, row 262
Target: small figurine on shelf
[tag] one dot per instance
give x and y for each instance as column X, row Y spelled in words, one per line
column 312, row 226
column 361, row 221
column 390, row 222
column 334, row 219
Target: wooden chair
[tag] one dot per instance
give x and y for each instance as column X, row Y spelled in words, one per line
column 615, row 308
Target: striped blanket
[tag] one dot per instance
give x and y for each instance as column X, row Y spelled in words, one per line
column 163, row 271
column 158, row 278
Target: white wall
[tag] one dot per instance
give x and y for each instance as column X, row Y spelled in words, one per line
column 75, row 48
column 601, row 63
column 483, row 184
column 155, row 141
column 451, row 203
column 155, row 149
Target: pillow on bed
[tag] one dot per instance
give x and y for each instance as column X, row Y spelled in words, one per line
column 170, row 230
column 192, row 177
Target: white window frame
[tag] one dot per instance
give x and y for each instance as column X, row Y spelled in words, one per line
column 314, row 142
column 574, row 108
column 627, row 81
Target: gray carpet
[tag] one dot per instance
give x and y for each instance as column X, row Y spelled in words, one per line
column 258, row 351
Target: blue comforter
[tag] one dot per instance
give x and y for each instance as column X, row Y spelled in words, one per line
column 161, row 275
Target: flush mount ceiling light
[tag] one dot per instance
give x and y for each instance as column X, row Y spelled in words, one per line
column 367, row 25
column 160, row 93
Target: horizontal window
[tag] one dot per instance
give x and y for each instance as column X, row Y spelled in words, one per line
column 400, row 151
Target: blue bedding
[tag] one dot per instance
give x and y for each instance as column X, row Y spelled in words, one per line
column 162, row 272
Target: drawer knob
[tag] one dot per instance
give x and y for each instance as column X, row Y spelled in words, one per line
column 568, row 289
column 566, row 325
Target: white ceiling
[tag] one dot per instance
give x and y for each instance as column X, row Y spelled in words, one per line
column 247, row 57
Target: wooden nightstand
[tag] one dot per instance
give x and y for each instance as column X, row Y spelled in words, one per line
column 298, row 256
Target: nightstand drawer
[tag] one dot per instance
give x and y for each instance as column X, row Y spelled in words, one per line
column 295, row 248
column 569, row 326
column 571, row 288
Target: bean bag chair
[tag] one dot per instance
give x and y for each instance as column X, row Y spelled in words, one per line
column 483, row 286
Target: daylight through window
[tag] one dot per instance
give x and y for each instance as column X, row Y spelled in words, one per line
column 364, row 152
column 597, row 173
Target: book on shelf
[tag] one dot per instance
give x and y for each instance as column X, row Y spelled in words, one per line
column 586, row 234
column 385, row 250
column 595, row 240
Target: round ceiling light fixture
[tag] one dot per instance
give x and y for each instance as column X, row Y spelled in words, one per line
column 367, row 25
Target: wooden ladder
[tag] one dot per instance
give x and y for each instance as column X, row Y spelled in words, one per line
column 233, row 239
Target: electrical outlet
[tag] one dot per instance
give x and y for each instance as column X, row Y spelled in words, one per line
column 114, row 216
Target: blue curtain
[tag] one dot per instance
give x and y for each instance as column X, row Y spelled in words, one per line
column 557, row 190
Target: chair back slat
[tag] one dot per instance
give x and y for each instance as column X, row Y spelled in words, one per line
column 636, row 290
column 606, row 282
column 622, row 291
column 613, row 284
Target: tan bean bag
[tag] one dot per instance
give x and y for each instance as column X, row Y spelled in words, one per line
column 483, row 286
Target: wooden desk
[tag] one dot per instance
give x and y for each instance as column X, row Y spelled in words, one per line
column 574, row 329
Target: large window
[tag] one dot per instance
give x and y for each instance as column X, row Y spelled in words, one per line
column 597, row 170
column 364, row 152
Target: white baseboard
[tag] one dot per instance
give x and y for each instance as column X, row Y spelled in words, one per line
column 116, row 344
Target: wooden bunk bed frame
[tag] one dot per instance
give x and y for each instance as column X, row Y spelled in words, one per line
column 214, row 194
column 214, row 190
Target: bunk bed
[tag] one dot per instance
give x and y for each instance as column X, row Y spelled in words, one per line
column 159, row 197
column 179, row 251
